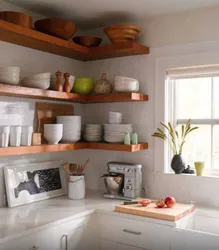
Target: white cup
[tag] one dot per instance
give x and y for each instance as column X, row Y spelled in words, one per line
column 15, row 136
column 4, row 136
column 26, row 135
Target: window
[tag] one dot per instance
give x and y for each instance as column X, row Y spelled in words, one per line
column 194, row 94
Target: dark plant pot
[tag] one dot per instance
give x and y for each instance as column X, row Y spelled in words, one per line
column 177, row 164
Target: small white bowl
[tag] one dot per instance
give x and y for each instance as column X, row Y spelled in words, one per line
column 39, row 84
column 11, row 80
column 40, row 76
column 53, row 133
column 124, row 78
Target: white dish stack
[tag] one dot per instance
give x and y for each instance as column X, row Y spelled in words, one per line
column 53, row 81
column 115, row 133
column 39, row 81
column 10, row 75
column 93, row 132
column 115, row 117
column 71, row 128
column 126, row 84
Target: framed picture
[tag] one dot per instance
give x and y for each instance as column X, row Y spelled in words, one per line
column 34, row 182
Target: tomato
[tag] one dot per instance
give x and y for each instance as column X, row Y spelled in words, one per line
column 145, row 202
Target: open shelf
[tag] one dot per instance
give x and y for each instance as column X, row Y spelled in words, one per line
column 30, row 38
column 69, row 147
column 19, row 91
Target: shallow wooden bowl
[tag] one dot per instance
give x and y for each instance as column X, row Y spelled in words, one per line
column 18, row 18
column 122, row 33
column 87, row 41
column 56, row 27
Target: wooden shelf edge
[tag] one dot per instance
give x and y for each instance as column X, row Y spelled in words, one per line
column 25, row 92
column 20, row 91
column 31, row 38
column 69, row 147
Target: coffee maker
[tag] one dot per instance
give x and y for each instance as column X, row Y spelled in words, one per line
column 123, row 181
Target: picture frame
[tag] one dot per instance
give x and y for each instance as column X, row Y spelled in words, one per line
column 34, row 182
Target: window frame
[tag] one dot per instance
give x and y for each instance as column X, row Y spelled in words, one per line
column 162, row 64
column 208, row 121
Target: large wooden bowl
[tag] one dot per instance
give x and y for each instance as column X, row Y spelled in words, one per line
column 18, row 18
column 87, row 41
column 122, row 33
column 56, row 27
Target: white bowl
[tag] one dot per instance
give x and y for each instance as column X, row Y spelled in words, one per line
column 53, row 81
column 126, row 86
column 122, row 78
column 40, row 76
column 13, row 74
column 53, row 133
column 12, row 80
column 9, row 70
column 39, row 84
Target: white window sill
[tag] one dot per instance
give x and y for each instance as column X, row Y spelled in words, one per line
column 207, row 176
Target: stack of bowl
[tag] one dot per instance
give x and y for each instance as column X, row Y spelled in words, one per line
column 121, row 33
column 9, row 75
column 126, row 84
column 53, row 133
column 53, row 81
column 115, row 117
column 39, row 81
column 115, row 133
column 93, row 132
column 71, row 128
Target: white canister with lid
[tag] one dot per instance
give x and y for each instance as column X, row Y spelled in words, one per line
column 76, row 187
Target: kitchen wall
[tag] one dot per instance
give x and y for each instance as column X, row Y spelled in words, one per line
column 19, row 111
column 169, row 36
column 173, row 36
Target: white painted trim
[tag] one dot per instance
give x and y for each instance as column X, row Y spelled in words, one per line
column 191, row 55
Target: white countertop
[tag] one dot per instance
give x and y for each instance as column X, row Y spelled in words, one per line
column 20, row 221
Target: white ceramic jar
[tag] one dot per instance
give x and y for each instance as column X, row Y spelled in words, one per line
column 76, row 187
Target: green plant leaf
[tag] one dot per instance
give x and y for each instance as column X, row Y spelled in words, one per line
column 183, row 128
column 162, row 123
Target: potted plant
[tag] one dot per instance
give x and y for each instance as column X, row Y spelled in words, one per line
column 176, row 141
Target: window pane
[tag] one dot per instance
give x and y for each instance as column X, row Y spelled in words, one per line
column 198, row 146
column 216, row 97
column 193, row 98
column 216, row 147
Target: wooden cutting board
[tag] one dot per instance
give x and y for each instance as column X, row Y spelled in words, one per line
column 170, row 214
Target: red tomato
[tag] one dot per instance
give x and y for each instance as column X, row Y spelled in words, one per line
column 160, row 203
column 145, row 202
column 170, row 201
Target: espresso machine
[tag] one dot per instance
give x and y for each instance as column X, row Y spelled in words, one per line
column 123, row 181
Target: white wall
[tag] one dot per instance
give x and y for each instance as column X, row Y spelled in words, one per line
column 185, row 34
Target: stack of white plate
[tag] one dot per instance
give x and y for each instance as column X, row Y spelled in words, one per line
column 39, row 81
column 115, row 117
column 115, row 133
column 93, row 132
column 126, row 84
column 71, row 128
column 9, row 75
column 53, row 81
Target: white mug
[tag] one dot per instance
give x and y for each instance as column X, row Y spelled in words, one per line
column 15, row 136
column 26, row 135
column 4, row 136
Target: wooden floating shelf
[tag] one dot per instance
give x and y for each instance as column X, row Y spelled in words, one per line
column 69, row 147
column 19, row 91
column 30, row 38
